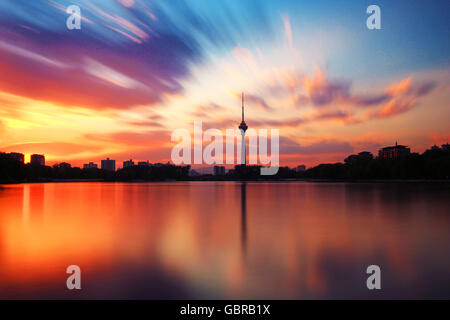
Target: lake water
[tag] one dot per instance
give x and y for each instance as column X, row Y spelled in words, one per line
column 225, row 240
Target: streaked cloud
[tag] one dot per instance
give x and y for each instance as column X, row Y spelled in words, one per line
column 30, row 55
column 287, row 29
column 110, row 75
column 289, row 146
column 139, row 69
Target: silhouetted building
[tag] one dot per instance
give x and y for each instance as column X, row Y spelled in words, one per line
column 446, row 146
column 243, row 171
column 65, row 165
column 144, row 163
column 393, row 152
column 205, row 170
column 193, row 173
column 129, row 163
column 219, row 171
column 37, row 159
column 109, row 165
column 365, row 155
column 90, row 165
column 300, row 168
column 18, row 156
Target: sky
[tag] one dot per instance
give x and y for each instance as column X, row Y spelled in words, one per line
column 138, row 70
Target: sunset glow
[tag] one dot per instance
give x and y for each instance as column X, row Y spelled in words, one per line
column 137, row 70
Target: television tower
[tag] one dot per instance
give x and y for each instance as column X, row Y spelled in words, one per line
column 243, row 127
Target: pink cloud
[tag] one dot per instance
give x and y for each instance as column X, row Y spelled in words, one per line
column 287, row 29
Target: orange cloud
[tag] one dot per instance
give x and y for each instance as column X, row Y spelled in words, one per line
column 394, row 107
column 404, row 96
column 402, row 87
column 130, row 138
column 52, row 148
column 322, row 91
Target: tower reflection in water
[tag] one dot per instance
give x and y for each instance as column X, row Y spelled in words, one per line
column 244, row 217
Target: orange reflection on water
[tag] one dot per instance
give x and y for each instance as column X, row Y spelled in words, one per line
column 224, row 239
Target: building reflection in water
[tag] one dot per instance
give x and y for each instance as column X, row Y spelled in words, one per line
column 26, row 203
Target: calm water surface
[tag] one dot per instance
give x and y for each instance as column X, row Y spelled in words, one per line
column 213, row 240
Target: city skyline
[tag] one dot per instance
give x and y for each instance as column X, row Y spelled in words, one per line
column 385, row 153
column 135, row 72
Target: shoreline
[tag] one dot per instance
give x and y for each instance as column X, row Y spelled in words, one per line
column 236, row 180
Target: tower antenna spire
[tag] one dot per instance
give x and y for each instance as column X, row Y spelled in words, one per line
column 242, row 106
column 243, row 127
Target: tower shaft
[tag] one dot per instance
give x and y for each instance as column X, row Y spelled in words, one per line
column 243, row 149
column 243, row 127
column 242, row 107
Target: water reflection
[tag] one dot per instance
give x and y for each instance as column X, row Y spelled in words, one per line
column 186, row 240
column 26, row 204
column 244, row 217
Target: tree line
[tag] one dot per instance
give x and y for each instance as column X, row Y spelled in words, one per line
column 432, row 164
